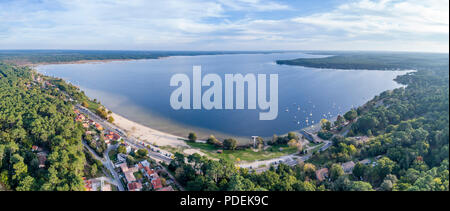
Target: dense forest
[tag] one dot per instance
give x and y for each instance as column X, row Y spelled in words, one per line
column 31, row 115
column 65, row 56
column 408, row 130
column 373, row 61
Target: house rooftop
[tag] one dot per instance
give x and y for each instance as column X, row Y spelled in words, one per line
column 321, row 174
column 124, row 167
column 156, row 183
column 42, row 157
column 365, row 161
column 168, row 188
column 129, row 176
column 348, row 166
column 134, row 186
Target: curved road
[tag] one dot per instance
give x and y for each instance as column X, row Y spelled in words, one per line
column 108, row 164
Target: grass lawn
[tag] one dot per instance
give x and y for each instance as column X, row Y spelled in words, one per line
column 318, row 147
column 114, row 188
column 312, row 144
column 93, row 105
column 245, row 154
column 138, row 175
column 113, row 155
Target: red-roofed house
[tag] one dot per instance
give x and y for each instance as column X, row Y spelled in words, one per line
column 128, row 172
column 85, row 125
column 34, row 148
column 98, row 126
column 149, row 172
column 156, row 183
column 129, row 176
column 87, row 184
column 169, row 188
column 112, row 136
column 124, row 167
column 80, row 118
column 135, row 186
column 321, row 174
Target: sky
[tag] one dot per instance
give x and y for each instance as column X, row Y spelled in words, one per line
column 384, row 25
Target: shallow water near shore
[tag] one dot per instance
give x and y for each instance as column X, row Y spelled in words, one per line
column 139, row 90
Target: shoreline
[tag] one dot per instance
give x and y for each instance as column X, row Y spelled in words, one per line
column 152, row 136
column 132, row 128
column 147, row 134
column 33, row 65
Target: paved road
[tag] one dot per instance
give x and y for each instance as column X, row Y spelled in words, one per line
column 290, row 160
column 173, row 179
column 129, row 140
column 108, row 164
column 132, row 142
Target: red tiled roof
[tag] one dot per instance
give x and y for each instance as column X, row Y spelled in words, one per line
column 98, row 126
column 149, row 171
column 129, row 176
column 321, row 174
column 134, row 186
column 124, row 167
column 169, row 188
column 112, row 136
column 156, row 183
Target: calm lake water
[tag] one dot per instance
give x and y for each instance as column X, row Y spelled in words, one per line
column 139, row 90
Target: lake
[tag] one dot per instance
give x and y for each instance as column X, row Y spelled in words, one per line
column 139, row 90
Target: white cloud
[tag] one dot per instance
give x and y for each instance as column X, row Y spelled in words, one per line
column 258, row 5
column 385, row 17
column 210, row 25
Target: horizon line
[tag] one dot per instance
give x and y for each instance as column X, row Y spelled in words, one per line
column 392, row 51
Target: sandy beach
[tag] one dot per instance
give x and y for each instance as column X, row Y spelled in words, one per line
column 147, row 134
column 153, row 136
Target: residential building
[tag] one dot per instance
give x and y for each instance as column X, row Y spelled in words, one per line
column 128, row 172
column 365, row 162
column 129, row 176
column 121, row 158
column 348, row 167
column 42, row 157
column 149, row 173
column 134, row 186
column 145, row 163
column 98, row 126
column 156, row 183
column 80, row 118
column 34, row 148
column 321, row 174
column 168, row 188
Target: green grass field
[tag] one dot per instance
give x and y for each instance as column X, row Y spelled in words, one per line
column 245, row 154
column 93, row 106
